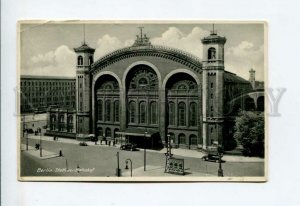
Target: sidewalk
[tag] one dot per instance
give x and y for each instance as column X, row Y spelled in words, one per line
column 158, row 171
column 36, row 153
column 176, row 152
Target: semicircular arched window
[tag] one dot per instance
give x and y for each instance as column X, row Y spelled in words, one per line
column 80, row 60
column 211, row 53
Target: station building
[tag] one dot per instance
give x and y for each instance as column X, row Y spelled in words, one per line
column 147, row 93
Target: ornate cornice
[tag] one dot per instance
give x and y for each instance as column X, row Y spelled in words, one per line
column 175, row 55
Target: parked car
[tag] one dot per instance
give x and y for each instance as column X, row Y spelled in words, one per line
column 83, row 144
column 29, row 131
column 212, row 157
column 128, row 146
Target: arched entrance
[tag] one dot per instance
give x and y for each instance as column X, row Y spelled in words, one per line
column 106, row 104
column 182, row 106
column 142, row 100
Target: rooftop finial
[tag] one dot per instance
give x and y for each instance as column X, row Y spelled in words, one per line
column 213, row 32
column 141, row 28
column 141, row 40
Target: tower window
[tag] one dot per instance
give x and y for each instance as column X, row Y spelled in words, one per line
column 80, row 60
column 211, row 85
column 211, row 53
column 91, row 60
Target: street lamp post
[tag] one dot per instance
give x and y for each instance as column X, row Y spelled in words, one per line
column 26, row 135
column 220, row 170
column 126, row 168
column 145, row 150
column 118, row 172
column 40, row 131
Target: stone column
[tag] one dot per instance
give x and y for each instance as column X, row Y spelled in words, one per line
column 123, row 115
column 204, row 108
column 162, row 114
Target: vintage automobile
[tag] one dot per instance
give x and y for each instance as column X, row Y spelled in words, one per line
column 83, row 144
column 128, row 146
column 29, row 131
column 212, row 156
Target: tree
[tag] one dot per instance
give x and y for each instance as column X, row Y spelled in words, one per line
column 250, row 133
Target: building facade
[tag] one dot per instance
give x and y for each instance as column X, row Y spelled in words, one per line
column 40, row 92
column 149, row 93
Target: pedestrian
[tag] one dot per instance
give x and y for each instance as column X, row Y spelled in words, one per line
column 60, row 153
column 53, row 138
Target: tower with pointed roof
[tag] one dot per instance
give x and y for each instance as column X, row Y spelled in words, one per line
column 213, row 84
column 252, row 77
column 85, row 58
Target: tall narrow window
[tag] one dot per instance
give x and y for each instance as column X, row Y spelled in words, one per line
column 90, row 60
column 132, row 112
column 143, row 112
column 100, row 131
column 80, row 60
column 116, row 110
column 107, row 110
column 100, row 110
column 153, row 112
column 171, row 113
column 181, row 139
column 108, row 132
column 193, row 114
column 181, row 114
column 211, row 53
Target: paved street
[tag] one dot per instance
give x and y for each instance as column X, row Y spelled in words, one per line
column 100, row 160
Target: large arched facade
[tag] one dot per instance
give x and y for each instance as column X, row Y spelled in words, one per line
column 145, row 92
column 144, row 86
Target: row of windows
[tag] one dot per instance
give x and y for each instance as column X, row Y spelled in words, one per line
column 182, row 139
column 106, row 112
column 61, row 125
column 142, row 112
column 45, row 83
column 48, row 94
column 107, row 132
column 182, row 114
column 80, row 60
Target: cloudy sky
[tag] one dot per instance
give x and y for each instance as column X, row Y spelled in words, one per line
column 47, row 49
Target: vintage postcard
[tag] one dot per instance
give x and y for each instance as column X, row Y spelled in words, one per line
column 142, row 101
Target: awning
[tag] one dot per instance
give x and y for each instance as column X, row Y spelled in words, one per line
column 138, row 132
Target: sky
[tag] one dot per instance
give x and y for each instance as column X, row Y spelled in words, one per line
column 47, row 48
